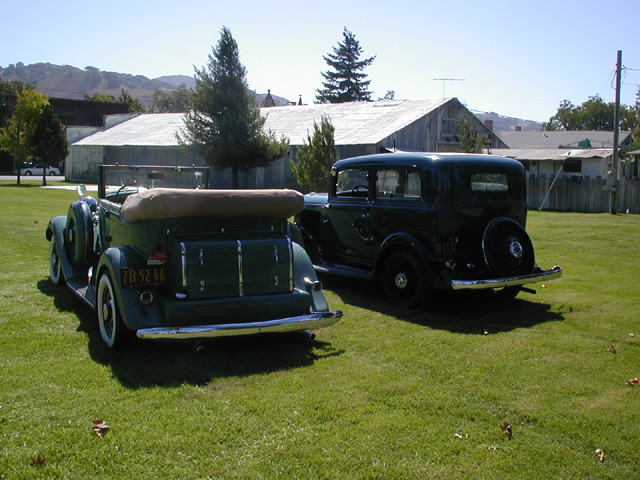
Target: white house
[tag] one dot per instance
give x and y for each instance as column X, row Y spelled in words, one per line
column 586, row 153
column 586, row 162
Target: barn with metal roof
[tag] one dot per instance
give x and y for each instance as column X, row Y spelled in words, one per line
column 361, row 128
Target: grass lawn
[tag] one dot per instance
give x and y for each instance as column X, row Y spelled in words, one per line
column 386, row 393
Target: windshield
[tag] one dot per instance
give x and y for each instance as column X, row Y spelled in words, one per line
column 116, row 178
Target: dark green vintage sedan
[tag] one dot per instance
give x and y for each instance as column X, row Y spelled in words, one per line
column 160, row 255
column 423, row 222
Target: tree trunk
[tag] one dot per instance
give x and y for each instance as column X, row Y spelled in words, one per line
column 16, row 167
column 234, row 177
column 44, row 176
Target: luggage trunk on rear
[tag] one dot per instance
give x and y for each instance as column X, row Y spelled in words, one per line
column 235, row 264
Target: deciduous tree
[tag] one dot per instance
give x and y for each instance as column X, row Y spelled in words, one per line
column 593, row 114
column 224, row 125
column 49, row 140
column 16, row 137
column 172, row 101
column 134, row 104
column 345, row 82
column 125, row 97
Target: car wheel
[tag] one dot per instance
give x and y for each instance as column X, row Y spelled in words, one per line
column 79, row 234
column 28, row 173
column 55, row 262
column 404, row 279
column 508, row 251
column 112, row 329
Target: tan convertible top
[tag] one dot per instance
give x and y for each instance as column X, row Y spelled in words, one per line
column 166, row 203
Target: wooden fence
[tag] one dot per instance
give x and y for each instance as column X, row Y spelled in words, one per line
column 581, row 194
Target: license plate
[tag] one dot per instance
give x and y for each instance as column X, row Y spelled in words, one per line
column 142, row 277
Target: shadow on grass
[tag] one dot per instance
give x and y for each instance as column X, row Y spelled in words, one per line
column 459, row 312
column 31, row 184
column 171, row 364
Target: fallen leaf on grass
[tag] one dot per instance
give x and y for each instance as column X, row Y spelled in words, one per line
column 38, row 460
column 506, row 429
column 633, row 381
column 600, row 454
column 612, row 349
column 100, row 428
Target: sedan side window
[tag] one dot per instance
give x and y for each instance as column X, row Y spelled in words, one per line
column 398, row 185
column 352, row 183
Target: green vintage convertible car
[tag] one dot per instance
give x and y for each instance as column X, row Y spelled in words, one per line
column 159, row 255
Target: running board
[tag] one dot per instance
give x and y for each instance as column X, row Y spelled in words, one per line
column 341, row 270
column 84, row 290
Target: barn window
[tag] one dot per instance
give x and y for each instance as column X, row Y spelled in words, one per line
column 573, row 166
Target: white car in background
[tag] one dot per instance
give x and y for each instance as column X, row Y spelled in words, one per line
column 37, row 170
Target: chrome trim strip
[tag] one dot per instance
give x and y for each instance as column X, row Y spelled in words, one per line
column 310, row 321
column 290, row 252
column 183, row 260
column 555, row 272
column 240, row 276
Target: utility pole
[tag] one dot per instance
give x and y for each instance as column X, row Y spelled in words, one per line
column 448, row 80
column 613, row 197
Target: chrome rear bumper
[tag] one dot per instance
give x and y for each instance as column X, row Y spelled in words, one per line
column 543, row 275
column 311, row 321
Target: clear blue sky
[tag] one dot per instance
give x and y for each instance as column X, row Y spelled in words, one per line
column 517, row 58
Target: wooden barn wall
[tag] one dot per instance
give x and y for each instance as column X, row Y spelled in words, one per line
column 83, row 160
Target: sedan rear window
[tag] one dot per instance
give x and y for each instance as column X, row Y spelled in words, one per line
column 489, row 182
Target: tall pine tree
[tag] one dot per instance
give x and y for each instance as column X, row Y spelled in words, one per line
column 345, row 82
column 224, row 125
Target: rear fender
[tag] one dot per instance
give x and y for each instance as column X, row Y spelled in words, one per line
column 135, row 314
column 304, row 278
column 56, row 227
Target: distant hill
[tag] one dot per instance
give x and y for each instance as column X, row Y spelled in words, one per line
column 71, row 82
column 65, row 81
column 500, row 122
column 177, row 80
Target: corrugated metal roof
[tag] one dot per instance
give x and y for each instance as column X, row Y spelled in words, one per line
column 556, row 154
column 357, row 123
column 555, row 139
column 154, row 129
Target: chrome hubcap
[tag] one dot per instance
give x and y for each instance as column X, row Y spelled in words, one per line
column 516, row 249
column 106, row 311
column 401, row 280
